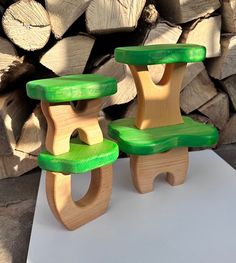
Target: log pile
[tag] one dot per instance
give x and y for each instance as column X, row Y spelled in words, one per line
column 42, row 39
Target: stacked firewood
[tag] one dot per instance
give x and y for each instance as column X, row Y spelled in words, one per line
column 43, row 39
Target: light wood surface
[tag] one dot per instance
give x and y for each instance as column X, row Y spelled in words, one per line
column 145, row 168
column 207, row 33
column 63, row 120
column 69, row 55
column 118, row 15
column 158, row 105
column 228, row 85
column 75, row 214
column 224, row 66
column 181, row 11
column 228, row 16
column 27, row 24
column 228, row 134
column 217, row 109
column 63, row 13
column 199, row 91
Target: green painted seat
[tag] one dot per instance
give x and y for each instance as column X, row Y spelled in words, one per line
column 160, row 54
column 71, row 87
column 156, row 140
column 81, row 157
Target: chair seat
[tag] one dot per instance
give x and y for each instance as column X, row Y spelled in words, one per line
column 81, row 157
column 71, row 87
column 160, row 54
column 156, row 140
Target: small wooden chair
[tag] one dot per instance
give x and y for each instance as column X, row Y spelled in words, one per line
column 158, row 138
column 88, row 152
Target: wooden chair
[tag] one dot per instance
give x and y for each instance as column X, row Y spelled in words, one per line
column 157, row 140
column 88, row 152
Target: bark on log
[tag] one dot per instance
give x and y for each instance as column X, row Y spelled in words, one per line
column 225, row 65
column 228, row 134
column 15, row 108
column 181, row 11
column 228, row 16
column 118, row 15
column 69, row 55
column 33, row 133
column 217, row 110
column 206, row 32
column 27, row 24
column 197, row 92
column 229, row 85
column 64, row 13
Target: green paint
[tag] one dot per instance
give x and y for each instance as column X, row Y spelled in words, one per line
column 81, row 157
column 71, row 87
column 160, row 54
column 156, row 140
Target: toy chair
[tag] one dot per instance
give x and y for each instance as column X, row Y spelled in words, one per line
column 88, row 152
column 157, row 140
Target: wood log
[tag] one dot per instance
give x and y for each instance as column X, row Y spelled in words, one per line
column 15, row 108
column 33, row 133
column 225, row 65
column 182, row 11
column 229, row 85
column 27, row 24
column 206, row 32
column 163, row 33
column 217, row 110
column 192, row 70
column 199, row 91
column 228, row 134
column 16, row 164
column 69, row 55
column 228, row 16
column 64, row 13
column 118, row 15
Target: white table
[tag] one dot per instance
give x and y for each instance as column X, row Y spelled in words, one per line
column 194, row 222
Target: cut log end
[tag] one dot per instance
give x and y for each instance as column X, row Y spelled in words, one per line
column 27, row 24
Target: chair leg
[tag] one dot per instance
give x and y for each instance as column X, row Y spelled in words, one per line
column 73, row 214
column 145, row 168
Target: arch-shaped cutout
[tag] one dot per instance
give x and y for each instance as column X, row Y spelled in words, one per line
column 73, row 214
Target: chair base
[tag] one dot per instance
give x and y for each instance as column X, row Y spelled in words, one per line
column 145, row 168
column 73, row 214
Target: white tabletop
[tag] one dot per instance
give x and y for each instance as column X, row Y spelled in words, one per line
column 194, row 222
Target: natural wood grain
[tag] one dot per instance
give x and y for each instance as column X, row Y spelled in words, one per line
column 228, row 16
column 63, row 120
column 69, row 55
column 225, row 65
column 207, row 33
column 217, row 109
column 144, row 169
column 158, row 105
column 33, row 133
column 75, row 214
column 27, row 24
column 157, row 140
column 15, row 108
column 63, row 14
column 118, row 15
column 228, row 134
column 181, row 11
column 16, row 164
column 229, row 85
column 199, row 91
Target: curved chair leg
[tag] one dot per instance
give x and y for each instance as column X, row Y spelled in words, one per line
column 72, row 214
column 145, row 168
